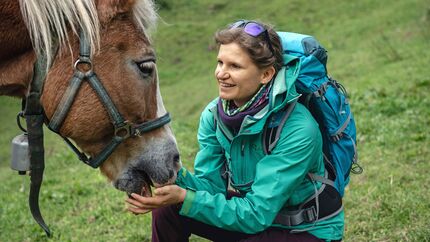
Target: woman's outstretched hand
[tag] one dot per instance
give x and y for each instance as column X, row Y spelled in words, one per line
column 163, row 196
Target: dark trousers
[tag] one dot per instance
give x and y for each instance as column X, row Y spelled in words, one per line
column 169, row 226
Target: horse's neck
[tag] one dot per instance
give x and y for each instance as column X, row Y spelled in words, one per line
column 14, row 38
column 16, row 54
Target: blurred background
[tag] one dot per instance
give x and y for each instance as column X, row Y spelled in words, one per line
column 379, row 50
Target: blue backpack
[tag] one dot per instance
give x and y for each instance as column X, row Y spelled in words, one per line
column 327, row 101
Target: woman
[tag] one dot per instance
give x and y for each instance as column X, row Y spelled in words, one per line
column 238, row 192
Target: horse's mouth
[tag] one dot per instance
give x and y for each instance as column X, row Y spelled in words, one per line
column 138, row 183
column 145, row 191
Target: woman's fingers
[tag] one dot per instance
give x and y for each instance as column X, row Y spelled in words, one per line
column 138, row 197
column 147, row 202
column 133, row 202
column 138, row 204
column 137, row 211
column 163, row 196
column 163, row 190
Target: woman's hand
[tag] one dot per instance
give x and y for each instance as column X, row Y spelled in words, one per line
column 163, row 196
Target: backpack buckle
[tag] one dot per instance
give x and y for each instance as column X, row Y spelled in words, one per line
column 310, row 214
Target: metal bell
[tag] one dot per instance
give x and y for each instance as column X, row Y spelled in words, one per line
column 20, row 154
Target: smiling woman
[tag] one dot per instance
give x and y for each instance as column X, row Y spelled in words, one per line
column 239, row 192
column 109, row 102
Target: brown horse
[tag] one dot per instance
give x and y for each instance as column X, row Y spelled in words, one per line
column 118, row 34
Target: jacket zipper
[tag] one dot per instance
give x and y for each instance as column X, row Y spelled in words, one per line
column 245, row 165
column 242, row 149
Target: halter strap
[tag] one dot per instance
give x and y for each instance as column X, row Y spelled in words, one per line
column 129, row 131
column 75, row 83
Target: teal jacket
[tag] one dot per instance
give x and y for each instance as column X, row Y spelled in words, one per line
column 267, row 183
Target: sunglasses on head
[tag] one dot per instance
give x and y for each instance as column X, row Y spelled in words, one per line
column 254, row 29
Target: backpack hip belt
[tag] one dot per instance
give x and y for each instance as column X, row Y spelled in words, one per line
column 323, row 204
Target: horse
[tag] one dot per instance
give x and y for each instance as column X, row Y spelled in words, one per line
column 108, row 101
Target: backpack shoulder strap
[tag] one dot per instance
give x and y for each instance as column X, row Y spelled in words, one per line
column 271, row 134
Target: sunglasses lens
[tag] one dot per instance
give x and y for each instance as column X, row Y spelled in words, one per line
column 253, row 29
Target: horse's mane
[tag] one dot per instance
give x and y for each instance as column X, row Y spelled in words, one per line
column 48, row 18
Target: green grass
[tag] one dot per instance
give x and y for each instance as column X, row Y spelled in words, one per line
column 378, row 49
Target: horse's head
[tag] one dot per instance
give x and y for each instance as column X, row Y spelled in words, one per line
column 125, row 64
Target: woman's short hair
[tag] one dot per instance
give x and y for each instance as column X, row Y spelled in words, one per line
column 257, row 47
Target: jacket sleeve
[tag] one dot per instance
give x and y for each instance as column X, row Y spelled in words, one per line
column 209, row 162
column 277, row 176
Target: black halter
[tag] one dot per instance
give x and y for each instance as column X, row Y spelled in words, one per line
column 35, row 119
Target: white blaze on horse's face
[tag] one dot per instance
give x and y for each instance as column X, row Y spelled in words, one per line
column 124, row 62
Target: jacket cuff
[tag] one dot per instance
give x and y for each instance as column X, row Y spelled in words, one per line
column 188, row 201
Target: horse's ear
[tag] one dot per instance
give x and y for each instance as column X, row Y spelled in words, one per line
column 108, row 9
column 16, row 73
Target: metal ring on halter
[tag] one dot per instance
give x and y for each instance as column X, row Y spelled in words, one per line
column 123, row 131
column 83, row 60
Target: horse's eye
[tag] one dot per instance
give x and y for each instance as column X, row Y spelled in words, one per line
column 146, row 68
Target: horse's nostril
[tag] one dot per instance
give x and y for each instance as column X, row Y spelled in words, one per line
column 176, row 158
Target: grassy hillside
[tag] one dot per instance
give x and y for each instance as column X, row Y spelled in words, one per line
column 378, row 49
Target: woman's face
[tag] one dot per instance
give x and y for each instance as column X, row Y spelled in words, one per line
column 237, row 75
